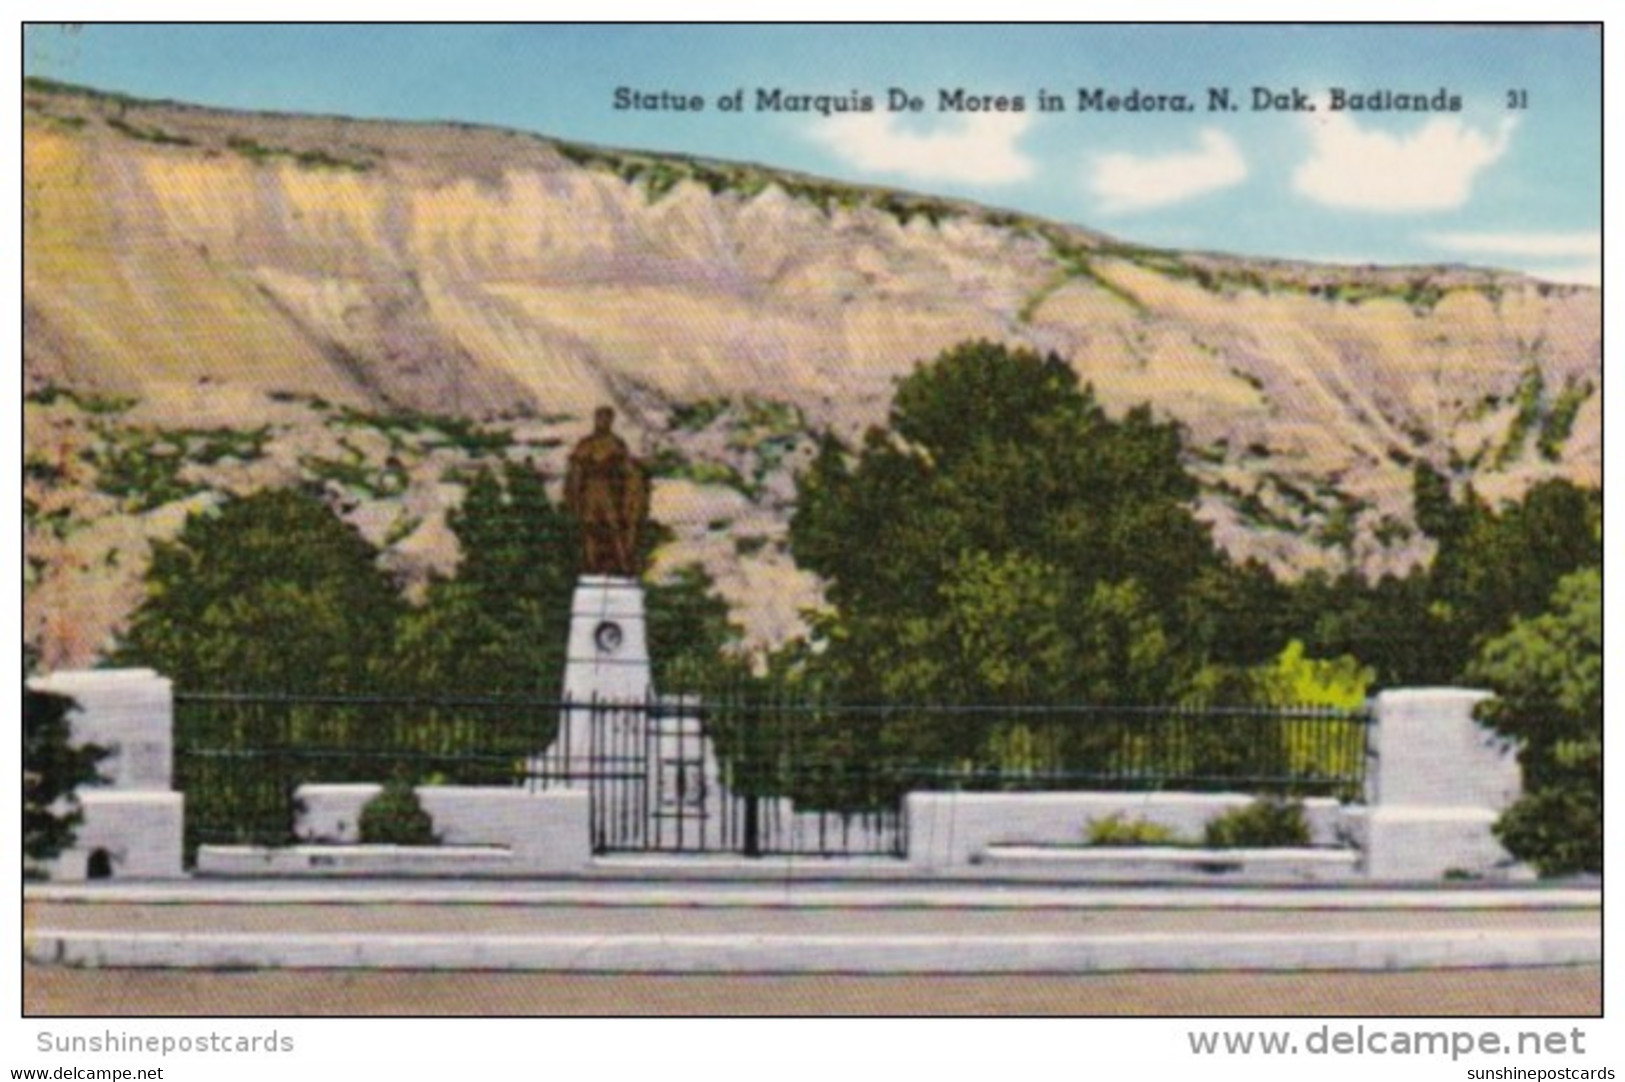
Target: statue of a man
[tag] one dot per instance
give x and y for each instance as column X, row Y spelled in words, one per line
column 605, row 489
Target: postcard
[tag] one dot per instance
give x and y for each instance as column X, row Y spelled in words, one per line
column 722, row 520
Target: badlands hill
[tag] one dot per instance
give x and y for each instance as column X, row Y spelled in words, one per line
column 220, row 301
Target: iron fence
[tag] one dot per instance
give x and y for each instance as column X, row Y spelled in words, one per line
column 737, row 770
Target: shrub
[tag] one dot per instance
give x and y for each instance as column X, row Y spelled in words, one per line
column 396, row 817
column 1261, row 824
column 1119, row 829
column 1547, row 674
column 53, row 768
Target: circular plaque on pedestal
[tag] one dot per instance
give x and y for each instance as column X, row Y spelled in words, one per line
column 608, row 637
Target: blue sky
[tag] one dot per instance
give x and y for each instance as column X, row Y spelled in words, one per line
column 1489, row 184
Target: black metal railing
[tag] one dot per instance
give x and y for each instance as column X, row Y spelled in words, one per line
column 736, row 770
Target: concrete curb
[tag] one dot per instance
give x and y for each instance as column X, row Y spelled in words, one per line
column 803, row 895
column 938, row 954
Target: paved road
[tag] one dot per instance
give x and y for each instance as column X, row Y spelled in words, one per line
column 1565, row 992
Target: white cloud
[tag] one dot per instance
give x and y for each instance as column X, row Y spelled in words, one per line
column 1432, row 168
column 1579, row 274
column 1128, row 182
column 977, row 149
column 1558, row 257
column 1535, row 245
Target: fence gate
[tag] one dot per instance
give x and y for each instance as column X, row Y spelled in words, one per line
column 693, row 775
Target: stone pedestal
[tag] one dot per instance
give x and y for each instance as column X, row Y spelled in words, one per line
column 1439, row 782
column 642, row 752
column 133, row 824
column 608, row 655
column 606, row 665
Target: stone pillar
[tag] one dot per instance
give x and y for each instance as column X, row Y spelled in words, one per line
column 661, row 760
column 607, row 662
column 1439, row 781
column 133, row 825
column 608, row 655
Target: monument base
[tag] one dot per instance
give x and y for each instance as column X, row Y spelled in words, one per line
column 608, row 653
column 606, row 664
column 617, row 736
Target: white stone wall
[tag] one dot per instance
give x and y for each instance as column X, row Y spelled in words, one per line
column 134, row 818
column 546, row 832
column 951, row 830
column 1438, row 783
column 131, row 712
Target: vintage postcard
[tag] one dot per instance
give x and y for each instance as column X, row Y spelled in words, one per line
column 789, row 520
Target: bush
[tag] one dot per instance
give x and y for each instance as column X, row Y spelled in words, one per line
column 52, row 769
column 1559, row 830
column 1547, row 675
column 1119, row 829
column 396, row 817
column 1261, row 824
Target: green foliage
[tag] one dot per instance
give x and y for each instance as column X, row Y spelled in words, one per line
column 658, row 174
column 148, row 135
column 141, row 471
column 1557, row 829
column 143, row 467
column 691, row 638
column 1294, row 679
column 1559, row 420
column 1528, row 399
column 760, row 432
column 271, row 592
column 1505, row 563
column 499, row 626
column 697, row 416
column 86, row 402
column 259, row 154
column 1005, row 542
column 54, row 768
column 990, row 545
column 1120, row 830
column 396, row 817
column 40, row 469
column 1262, row 824
column 1547, row 671
column 1492, row 566
column 672, row 465
column 55, row 86
column 211, row 445
column 1324, row 747
column 1078, row 262
column 1549, row 419
column 405, row 428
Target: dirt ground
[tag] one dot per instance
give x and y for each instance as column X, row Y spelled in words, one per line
column 1562, row 991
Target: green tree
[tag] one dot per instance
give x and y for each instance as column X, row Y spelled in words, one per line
column 1325, row 747
column 1003, row 542
column 499, row 626
column 271, row 592
column 1547, row 674
column 693, row 642
column 1505, row 563
column 1389, row 625
column 1004, row 539
column 1492, row 566
column 54, row 768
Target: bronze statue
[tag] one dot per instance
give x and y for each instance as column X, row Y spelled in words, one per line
column 607, row 492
